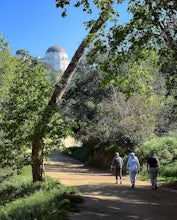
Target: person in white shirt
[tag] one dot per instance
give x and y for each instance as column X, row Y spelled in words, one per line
column 133, row 167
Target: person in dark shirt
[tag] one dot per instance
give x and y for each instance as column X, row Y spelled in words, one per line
column 152, row 168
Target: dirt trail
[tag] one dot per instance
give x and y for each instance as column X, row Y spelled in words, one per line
column 103, row 199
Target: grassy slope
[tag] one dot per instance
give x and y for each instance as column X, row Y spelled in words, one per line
column 22, row 199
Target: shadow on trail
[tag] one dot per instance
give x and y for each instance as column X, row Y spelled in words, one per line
column 122, row 203
column 65, row 163
column 106, row 200
column 73, row 168
column 61, row 157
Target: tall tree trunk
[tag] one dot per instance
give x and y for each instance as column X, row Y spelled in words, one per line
column 37, row 159
column 37, row 142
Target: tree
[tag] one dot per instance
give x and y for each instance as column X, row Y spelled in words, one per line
column 60, row 87
column 104, row 114
column 83, row 93
column 21, row 109
column 152, row 26
column 121, row 44
column 6, row 66
column 81, row 99
column 41, row 118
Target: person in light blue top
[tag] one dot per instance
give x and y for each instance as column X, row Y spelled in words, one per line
column 133, row 167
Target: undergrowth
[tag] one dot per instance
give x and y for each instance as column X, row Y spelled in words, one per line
column 22, row 199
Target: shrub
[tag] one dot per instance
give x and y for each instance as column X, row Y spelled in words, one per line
column 22, row 199
column 165, row 150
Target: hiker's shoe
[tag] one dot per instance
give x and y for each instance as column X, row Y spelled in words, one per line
column 133, row 185
column 120, row 182
column 116, row 182
column 155, row 186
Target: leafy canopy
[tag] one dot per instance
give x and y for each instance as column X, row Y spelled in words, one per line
column 23, row 104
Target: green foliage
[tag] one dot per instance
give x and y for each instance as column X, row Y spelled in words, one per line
column 167, row 117
column 170, row 170
column 99, row 156
column 25, row 101
column 51, row 75
column 151, row 28
column 165, row 150
column 82, row 153
column 7, row 66
column 127, row 120
column 83, row 95
column 84, row 4
column 21, row 199
column 5, row 174
column 26, row 92
column 130, row 56
column 106, row 115
column 131, row 75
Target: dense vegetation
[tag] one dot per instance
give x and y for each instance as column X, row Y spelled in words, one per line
column 22, row 199
column 122, row 94
column 164, row 148
column 121, row 97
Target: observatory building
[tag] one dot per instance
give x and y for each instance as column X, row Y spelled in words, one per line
column 56, row 57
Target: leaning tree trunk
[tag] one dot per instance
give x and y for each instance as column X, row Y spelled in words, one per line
column 39, row 133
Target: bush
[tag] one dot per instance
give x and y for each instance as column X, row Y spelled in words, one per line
column 169, row 171
column 165, row 150
column 99, row 156
column 22, row 199
column 81, row 153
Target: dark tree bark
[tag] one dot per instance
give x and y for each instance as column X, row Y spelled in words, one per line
column 60, row 88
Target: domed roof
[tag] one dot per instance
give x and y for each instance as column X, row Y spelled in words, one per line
column 55, row 49
column 20, row 52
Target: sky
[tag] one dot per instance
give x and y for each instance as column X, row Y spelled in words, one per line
column 35, row 25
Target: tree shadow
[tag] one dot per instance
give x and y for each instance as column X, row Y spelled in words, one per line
column 111, row 201
column 121, row 202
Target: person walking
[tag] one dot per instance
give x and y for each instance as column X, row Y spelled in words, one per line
column 133, row 167
column 117, row 164
column 152, row 169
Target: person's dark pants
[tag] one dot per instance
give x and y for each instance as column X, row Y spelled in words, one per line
column 118, row 172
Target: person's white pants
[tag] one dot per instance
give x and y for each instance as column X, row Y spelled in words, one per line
column 132, row 176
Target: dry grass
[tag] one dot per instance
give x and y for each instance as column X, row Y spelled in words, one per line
column 71, row 142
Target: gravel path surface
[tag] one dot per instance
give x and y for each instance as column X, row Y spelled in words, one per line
column 103, row 199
